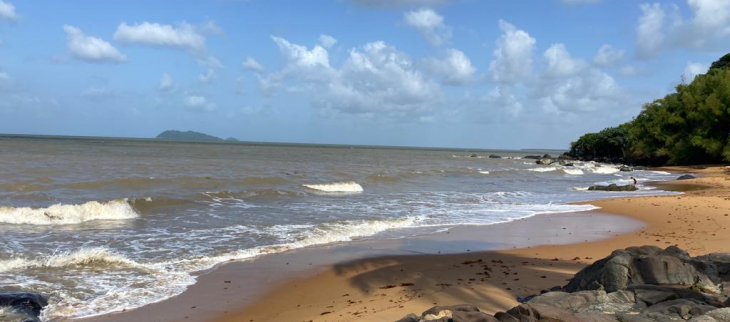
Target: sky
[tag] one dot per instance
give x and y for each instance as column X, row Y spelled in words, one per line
column 439, row 73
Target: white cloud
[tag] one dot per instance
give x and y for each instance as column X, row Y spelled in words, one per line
column 607, row 56
column 207, row 77
column 7, row 11
column 649, row 34
column 375, row 80
column 251, row 64
column 455, row 68
column 198, row 103
column 560, row 63
column 167, row 84
column 400, row 3
column 513, row 56
column 184, row 36
column 664, row 28
column 429, row 24
column 590, row 91
column 693, row 69
column 327, row 41
column 91, row 49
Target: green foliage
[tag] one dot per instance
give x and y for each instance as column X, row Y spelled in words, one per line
column 610, row 144
column 722, row 63
column 690, row 126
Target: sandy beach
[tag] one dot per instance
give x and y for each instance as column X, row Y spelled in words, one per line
column 384, row 280
column 385, row 289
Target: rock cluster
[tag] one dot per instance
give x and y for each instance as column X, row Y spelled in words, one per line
column 637, row 284
column 613, row 187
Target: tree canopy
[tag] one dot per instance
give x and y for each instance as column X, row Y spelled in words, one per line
column 690, row 126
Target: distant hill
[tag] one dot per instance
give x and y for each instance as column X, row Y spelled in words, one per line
column 174, row 135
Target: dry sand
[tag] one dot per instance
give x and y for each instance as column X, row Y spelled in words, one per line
column 387, row 288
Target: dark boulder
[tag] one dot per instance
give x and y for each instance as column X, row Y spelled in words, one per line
column 686, row 177
column 25, row 306
column 625, row 168
column 494, row 156
column 533, row 157
column 547, row 156
column 613, row 187
column 545, row 161
column 650, row 265
column 474, row 155
column 566, row 156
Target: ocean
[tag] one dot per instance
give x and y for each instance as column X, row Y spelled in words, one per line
column 101, row 225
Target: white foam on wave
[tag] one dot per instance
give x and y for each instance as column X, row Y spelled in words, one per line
column 580, row 188
column 574, row 172
column 9, row 315
column 545, row 169
column 346, row 187
column 483, row 172
column 82, row 257
column 61, row 214
column 604, row 170
column 660, row 172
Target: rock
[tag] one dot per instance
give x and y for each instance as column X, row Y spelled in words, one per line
column 686, row 177
column 453, row 308
column 532, row 157
column 545, row 161
column 613, row 187
column 547, row 156
column 684, row 309
column 26, row 306
column 625, row 168
column 566, row 156
column 494, row 156
column 720, row 315
column 409, row 318
column 457, row 313
column 474, row 155
column 649, row 265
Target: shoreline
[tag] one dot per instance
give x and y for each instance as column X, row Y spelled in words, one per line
column 341, row 265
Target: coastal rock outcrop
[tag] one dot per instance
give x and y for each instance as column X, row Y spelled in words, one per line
column 21, row 306
column 613, row 187
column 636, row 284
column 494, row 156
column 686, row 177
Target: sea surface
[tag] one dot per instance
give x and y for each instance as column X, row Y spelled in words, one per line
column 103, row 225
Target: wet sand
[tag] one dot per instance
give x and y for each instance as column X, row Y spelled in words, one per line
column 384, row 280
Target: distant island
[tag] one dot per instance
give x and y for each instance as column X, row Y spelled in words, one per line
column 174, row 135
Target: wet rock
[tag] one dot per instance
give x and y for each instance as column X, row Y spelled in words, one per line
column 686, row 177
column 545, row 161
column 22, row 306
column 532, row 157
column 494, row 156
column 684, row 309
column 625, row 168
column 613, row 187
column 474, row 155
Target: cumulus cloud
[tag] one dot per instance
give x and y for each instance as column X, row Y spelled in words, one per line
column 375, row 79
column 589, row 91
column 664, row 28
column 693, row 69
column 560, row 63
column 327, row 41
column 513, row 56
column 90, row 49
column 454, row 68
column 208, row 76
column 399, row 3
column 607, row 56
column 184, row 36
column 7, row 11
column 429, row 24
column 251, row 64
column 198, row 103
column 167, row 84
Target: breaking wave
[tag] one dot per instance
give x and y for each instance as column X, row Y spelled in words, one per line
column 545, row 169
column 93, row 256
column 346, row 187
column 61, row 214
column 573, row 171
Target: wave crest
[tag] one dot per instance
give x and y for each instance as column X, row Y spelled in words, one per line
column 346, row 187
column 61, row 214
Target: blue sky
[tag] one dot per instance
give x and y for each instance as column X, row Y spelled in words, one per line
column 451, row 73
